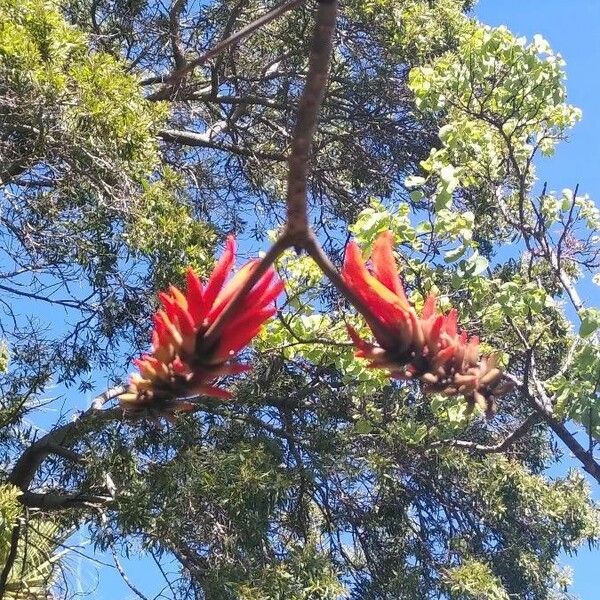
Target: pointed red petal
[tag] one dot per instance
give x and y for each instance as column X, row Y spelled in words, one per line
column 266, row 290
column 220, row 272
column 443, row 356
column 450, row 322
column 195, row 297
column 384, row 264
column 434, row 336
column 237, row 368
column 161, row 330
column 235, row 341
column 248, row 320
column 429, row 308
column 227, row 293
column 388, row 306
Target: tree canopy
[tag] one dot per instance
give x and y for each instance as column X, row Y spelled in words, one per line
column 369, row 407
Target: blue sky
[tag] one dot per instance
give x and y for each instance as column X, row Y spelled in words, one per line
column 572, row 28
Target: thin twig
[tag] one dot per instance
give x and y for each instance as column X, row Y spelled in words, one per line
column 124, row 577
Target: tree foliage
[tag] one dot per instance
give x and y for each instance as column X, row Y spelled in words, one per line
column 127, row 153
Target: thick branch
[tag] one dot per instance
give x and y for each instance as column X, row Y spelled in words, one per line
column 308, row 112
column 543, row 406
column 30, row 461
column 297, row 231
column 174, row 14
column 586, row 459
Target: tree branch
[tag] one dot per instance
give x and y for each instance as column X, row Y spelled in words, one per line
column 297, row 231
column 202, row 140
column 174, row 78
column 508, row 441
column 54, row 501
column 29, row 462
column 308, row 112
column 543, row 406
column 10, row 559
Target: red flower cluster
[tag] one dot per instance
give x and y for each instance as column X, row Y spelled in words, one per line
column 428, row 347
column 179, row 364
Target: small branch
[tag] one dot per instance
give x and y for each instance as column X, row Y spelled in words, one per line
column 508, row 441
column 54, row 501
column 191, row 138
column 124, row 577
column 175, row 77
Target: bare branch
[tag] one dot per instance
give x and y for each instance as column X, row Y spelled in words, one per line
column 502, row 446
column 308, row 112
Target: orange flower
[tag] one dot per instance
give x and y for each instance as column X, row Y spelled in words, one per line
column 179, row 364
column 428, row 347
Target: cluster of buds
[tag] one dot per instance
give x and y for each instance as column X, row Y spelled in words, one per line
column 180, row 364
column 428, row 347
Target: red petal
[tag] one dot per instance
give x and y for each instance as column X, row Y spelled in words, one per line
column 161, row 330
column 195, row 297
column 180, row 315
column 450, row 324
column 235, row 341
column 220, row 272
column 266, row 290
column 434, row 336
column 248, row 320
column 384, row 264
column 356, row 339
column 429, row 308
column 443, row 356
column 384, row 303
column 211, row 390
column 227, row 293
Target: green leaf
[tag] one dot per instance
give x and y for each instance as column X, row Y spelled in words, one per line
column 414, row 181
column 362, row 426
column 455, row 254
column 590, row 321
